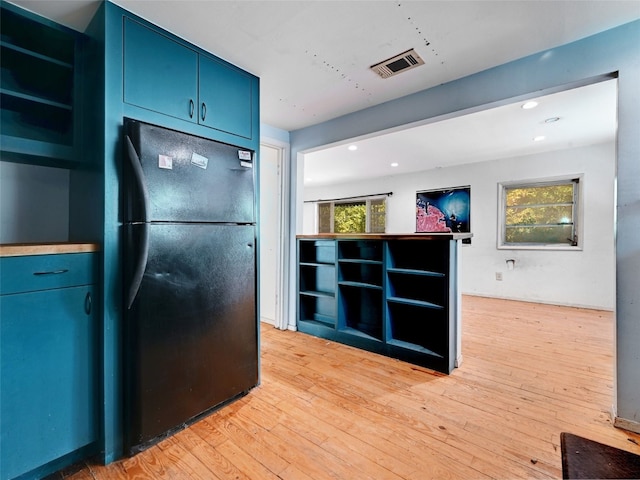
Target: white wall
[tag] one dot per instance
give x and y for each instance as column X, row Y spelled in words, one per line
column 578, row 278
column 34, row 203
column 310, row 210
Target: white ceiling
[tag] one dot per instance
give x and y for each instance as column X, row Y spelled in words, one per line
column 587, row 116
column 313, row 61
column 313, row 57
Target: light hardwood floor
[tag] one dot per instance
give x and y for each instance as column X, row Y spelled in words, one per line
column 325, row 410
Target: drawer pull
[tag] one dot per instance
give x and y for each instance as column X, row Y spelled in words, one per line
column 88, row 303
column 53, row 272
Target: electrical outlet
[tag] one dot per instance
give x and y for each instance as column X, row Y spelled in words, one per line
column 499, row 276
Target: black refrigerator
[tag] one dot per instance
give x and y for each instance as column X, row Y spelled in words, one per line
column 191, row 329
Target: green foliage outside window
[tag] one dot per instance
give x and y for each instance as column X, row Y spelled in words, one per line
column 350, row 217
column 541, row 214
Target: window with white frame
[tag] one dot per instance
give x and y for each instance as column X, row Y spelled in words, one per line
column 540, row 214
column 349, row 216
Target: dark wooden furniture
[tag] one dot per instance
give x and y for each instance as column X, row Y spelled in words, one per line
column 392, row 294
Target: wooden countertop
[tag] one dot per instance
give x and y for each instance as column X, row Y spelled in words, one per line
column 386, row 236
column 22, row 249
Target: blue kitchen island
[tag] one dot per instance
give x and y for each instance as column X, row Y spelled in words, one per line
column 393, row 294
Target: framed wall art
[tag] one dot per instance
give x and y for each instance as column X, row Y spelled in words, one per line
column 446, row 210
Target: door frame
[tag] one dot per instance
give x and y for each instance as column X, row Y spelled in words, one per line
column 282, row 228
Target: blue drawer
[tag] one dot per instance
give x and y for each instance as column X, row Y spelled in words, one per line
column 42, row 272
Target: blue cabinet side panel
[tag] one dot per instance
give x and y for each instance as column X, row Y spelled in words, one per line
column 112, row 321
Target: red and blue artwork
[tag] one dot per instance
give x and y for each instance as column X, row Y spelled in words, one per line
column 446, row 210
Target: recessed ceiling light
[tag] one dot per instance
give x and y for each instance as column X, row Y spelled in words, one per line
column 552, row 119
column 394, row 164
column 353, row 148
column 529, row 105
column 539, row 138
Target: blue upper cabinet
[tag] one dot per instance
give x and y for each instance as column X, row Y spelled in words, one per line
column 159, row 74
column 225, row 98
column 165, row 76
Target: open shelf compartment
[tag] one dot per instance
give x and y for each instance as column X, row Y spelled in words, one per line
column 360, row 250
column 41, row 39
column 317, row 251
column 36, row 78
column 319, row 310
column 41, row 122
column 361, row 311
column 421, row 288
column 365, row 274
column 417, row 328
column 412, row 255
column 320, row 279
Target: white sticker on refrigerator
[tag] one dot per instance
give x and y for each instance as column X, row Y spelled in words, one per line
column 199, row 160
column 246, row 164
column 165, row 161
column 244, row 155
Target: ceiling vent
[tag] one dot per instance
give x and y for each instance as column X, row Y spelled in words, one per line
column 398, row 64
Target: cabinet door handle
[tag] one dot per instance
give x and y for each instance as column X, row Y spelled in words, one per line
column 192, row 106
column 204, row 111
column 53, row 272
column 88, row 303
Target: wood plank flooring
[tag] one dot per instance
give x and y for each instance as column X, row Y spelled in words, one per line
column 329, row 411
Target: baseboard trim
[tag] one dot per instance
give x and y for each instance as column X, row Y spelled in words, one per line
column 458, row 361
column 626, row 424
column 270, row 321
column 543, row 302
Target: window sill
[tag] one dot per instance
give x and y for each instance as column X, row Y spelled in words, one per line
column 562, row 248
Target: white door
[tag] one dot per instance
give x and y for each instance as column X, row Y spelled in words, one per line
column 269, row 231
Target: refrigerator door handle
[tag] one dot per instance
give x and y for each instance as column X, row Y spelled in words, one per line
column 136, row 166
column 141, row 264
